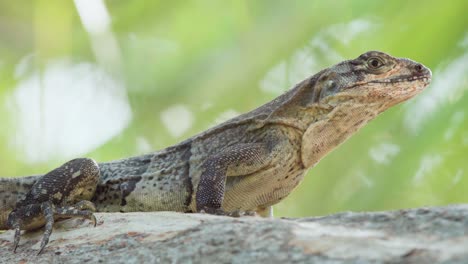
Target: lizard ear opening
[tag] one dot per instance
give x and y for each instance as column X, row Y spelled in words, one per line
column 310, row 92
column 327, row 84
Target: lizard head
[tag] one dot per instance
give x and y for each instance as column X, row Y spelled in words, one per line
column 372, row 78
column 350, row 94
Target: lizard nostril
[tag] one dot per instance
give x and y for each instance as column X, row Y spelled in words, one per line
column 418, row 67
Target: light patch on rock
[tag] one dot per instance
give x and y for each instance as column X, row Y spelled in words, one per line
column 426, row 166
column 384, row 152
column 177, row 119
column 320, row 229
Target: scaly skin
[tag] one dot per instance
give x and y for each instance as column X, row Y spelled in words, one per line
column 248, row 163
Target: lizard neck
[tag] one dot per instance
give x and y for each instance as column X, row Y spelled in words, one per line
column 301, row 106
column 324, row 121
column 300, row 117
column 338, row 125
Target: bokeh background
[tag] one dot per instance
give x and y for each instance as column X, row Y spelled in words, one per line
column 112, row 79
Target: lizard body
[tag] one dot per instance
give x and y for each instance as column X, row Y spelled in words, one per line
column 248, row 163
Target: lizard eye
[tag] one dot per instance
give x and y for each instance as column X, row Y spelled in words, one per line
column 374, row 63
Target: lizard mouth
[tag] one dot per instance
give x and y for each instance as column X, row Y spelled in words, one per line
column 426, row 79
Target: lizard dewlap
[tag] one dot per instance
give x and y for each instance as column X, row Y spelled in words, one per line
column 246, row 164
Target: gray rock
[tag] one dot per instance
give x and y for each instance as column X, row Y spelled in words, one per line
column 423, row 235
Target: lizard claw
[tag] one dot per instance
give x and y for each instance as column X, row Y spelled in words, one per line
column 92, row 218
column 17, row 238
column 24, row 217
column 85, row 205
column 43, row 244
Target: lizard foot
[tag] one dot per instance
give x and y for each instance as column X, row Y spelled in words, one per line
column 61, row 193
column 33, row 216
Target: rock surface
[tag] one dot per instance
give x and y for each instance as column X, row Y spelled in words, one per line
column 423, row 235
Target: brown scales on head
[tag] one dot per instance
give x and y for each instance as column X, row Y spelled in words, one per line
column 341, row 99
column 378, row 78
column 373, row 78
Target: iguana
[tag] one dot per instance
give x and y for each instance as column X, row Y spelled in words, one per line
column 246, row 164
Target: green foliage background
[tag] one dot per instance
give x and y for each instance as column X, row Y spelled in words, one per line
column 214, row 56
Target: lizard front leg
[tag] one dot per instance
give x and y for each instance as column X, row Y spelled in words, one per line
column 238, row 160
column 62, row 193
